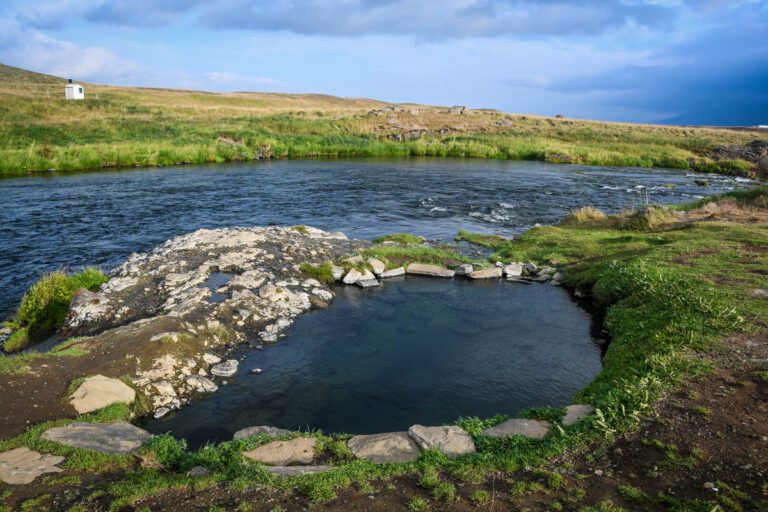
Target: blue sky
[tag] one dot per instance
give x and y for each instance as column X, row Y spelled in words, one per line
column 697, row 62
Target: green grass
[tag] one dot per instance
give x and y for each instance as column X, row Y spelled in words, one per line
column 19, row 363
column 397, row 255
column 44, row 307
column 481, row 239
column 400, row 238
column 323, row 273
column 124, row 127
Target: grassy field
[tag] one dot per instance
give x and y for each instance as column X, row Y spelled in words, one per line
column 122, row 127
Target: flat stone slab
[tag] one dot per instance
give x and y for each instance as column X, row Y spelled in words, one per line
column 119, row 438
column 451, row 440
column 421, row 269
column 284, row 453
column 202, row 384
column 388, row 447
column 368, row 283
column 258, row 430
column 464, row 269
column 377, row 265
column 513, row 270
column 395, row 272
column 576, row 412
column 486, row 273
column 98, row 392
column 22, row 465
column 535, row 429
column 296, row 470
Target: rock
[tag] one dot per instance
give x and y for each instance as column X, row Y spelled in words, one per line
column 377, row 266
column 385, row 448
column 267, row 291
column 536, row 429
column 513, row 270
column 202, row 384
column 226, row 369
column 198, row 471
column 159, row 413
column 453, row 441
column 22, row 465
column 98, row 392
column 421, row 269
column 354, row 260
column 368, row 283
column 547, row 270
column 258, row 430
column 119, row 438
column 352, row 276
column 211, row 358
column 283, row 453
column 759, row 292
column 296, row 470
column 366, row 276
column 486, row 273
column 574, row 413
column 85, row 308
column 337, row 272
column 395, row 272
column 464, row 269
column 531, row 269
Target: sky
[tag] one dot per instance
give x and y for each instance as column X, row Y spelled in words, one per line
column 680, row 61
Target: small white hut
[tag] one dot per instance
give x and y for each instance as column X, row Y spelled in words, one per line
column 74, row 91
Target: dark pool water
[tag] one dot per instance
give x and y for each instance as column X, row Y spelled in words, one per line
column 55, row 221
column 416, row 350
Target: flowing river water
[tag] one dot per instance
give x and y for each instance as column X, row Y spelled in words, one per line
column 415, row 350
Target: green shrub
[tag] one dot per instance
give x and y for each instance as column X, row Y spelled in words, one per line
column 480, row 497
column 44, row 307
column 17, row 341
column 417, row 504
column 323, row 273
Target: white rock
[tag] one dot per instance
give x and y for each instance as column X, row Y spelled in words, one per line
column 98, row 392
column 352, row 276
column 202, row 384
column 211, row 358
column 422, row 269
column 513, row 270
column 453, row 441
column 395, row 272
column 226, row 369
column 377, row 265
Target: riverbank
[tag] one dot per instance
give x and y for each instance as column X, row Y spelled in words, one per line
column 684, row 290
column 118, row 127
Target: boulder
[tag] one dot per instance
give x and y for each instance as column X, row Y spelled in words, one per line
column 211, row 358
column 464, row 269
column 226, row 369
column 513, row 270
column 576, row 412
column 22, row 465
column 536, row 429
column 422, row 269
column 395, row 272
column 453, row 441
column 337, row 272
column 377, row 266
column 119, row 438
column 352, row 276
column 368, row 283
column 202, row 384
column 531, row 269
column 385, row 448
column 486, row 273
column 98, row 392
column 260, row 429
column 198, row 471
column 283, row 453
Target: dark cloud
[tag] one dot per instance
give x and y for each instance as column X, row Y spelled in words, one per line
column 433, row 19
column 437, row 19
column 720, row 77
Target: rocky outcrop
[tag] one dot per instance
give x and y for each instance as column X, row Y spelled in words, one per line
column 114, row 438
column 98, row 392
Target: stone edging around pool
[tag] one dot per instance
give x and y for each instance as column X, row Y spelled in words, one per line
column 160, row 311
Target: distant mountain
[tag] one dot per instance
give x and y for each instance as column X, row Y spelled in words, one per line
column 721, row 115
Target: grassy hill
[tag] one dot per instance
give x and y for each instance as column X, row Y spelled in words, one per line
column 124, row 126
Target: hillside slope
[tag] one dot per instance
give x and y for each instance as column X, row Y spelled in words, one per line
column 124, row 126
